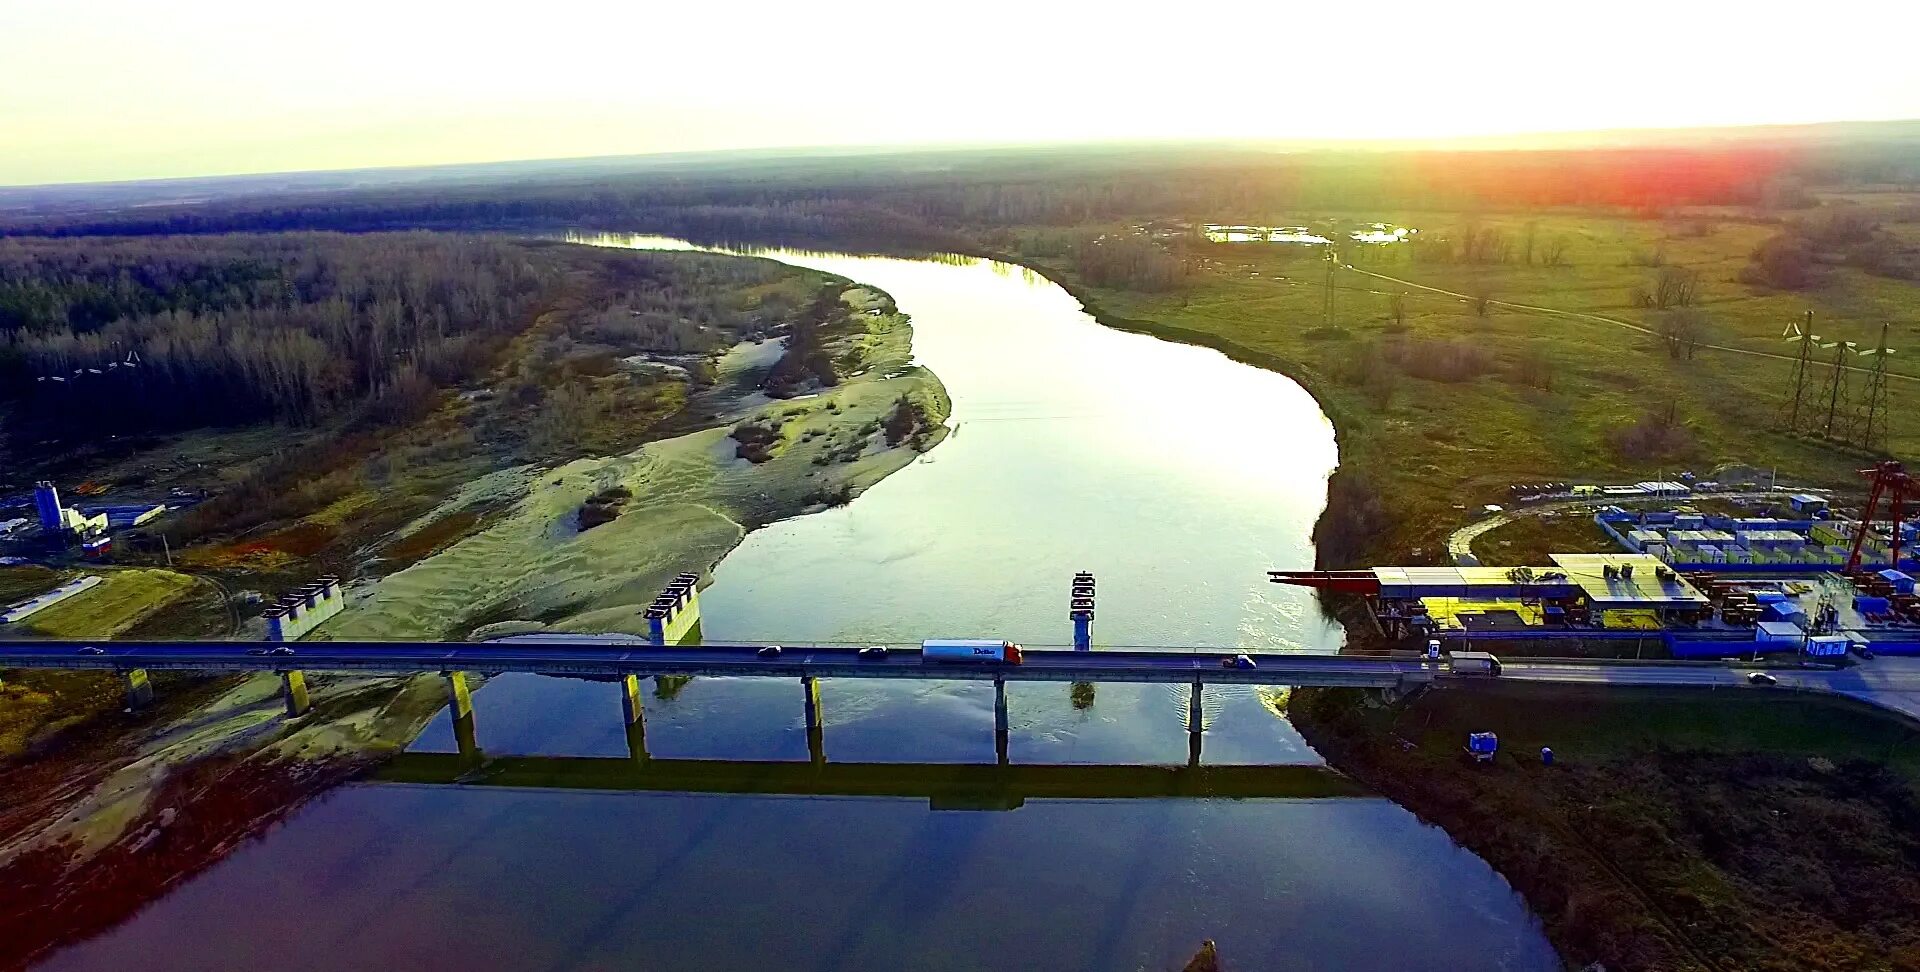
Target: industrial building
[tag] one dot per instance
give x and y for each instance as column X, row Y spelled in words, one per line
column 1686, row 540
column 1638, row 598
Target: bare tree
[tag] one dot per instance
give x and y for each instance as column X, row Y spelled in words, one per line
column 1675, row 287
column 1554, row 254
column 1682, row 330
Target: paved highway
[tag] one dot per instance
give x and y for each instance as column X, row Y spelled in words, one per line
column 591, row 657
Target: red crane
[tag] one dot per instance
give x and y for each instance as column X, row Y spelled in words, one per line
column 1891, row 479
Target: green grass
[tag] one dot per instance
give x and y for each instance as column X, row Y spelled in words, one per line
column 1428, row 447
column 1615, row 723
column 1527, row 540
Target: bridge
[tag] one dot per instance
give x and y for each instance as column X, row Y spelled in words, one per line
column 1891, row 684
column 610, row 659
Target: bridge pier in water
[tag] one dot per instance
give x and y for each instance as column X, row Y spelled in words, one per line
column 635, row 718
column 139, row 689
column 293, row 686
column 816, row 727
column 1002, row 725
column 460, row 706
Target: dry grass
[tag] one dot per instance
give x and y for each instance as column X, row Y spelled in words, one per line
column 123, row 599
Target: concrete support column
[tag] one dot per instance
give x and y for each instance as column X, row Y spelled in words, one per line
column 816, row 746
column 810, row 690
column 637, row 741
column 1193, row 747
column 1196, row 716
column 466, row 739
column 293, row 685
column 635, row 718
column 459, row 697
column 139, row 689
column 630, row 709
column 1000, row 721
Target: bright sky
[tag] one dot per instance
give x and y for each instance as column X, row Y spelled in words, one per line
column 114, row 89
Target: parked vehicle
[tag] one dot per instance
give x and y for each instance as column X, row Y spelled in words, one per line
column 970, row 651
column 1761, row 678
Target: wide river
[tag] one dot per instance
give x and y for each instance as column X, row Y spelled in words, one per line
column 1176, row 475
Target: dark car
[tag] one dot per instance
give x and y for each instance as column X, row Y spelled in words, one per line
column 874, row 651
column 770, row 651
column 1761, row 678
column 1238, row 661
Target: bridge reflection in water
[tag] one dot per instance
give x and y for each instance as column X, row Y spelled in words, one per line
column 1002, row 785
column 946, row 786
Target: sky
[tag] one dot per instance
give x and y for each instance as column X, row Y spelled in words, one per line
column 96, row 90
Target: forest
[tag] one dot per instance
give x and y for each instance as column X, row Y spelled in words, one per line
column 112, row 337
column 959, row 201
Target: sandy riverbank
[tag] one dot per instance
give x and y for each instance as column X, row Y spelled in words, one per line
column 693, row 501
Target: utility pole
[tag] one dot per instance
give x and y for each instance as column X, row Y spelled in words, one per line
column 1333, row 263
column 164, row 545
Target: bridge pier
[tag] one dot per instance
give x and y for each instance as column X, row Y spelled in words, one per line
column 1000, row 721
column 810, row 692
column 1193, row 747
column 459, row 697
column 293, row 686
column 466, row 739
column 635, row 718
column 139, row 689
column 1196, row 717
column 630, row 709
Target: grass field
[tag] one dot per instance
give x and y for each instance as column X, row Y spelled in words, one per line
column 123, row 599
column 1440, row 406
column 1527, row 540
column 1697, row 831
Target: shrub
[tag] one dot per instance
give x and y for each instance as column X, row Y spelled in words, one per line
column 1657, row 435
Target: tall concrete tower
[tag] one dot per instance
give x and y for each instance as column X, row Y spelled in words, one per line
column 46, row 500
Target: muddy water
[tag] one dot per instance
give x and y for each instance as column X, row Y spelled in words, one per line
column 1174, row 474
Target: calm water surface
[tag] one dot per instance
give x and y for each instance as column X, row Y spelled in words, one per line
column 1177, row 476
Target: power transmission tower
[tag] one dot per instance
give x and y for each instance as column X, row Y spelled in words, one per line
column 1836, row 390
column 1802, row 365
column 1333, row 262
column 1873, row 405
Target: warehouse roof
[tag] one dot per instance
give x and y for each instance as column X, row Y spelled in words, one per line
column 1645, row 589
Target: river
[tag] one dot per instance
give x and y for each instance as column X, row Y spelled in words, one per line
column 1174, row 474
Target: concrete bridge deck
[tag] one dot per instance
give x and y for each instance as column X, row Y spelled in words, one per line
column 599, row 658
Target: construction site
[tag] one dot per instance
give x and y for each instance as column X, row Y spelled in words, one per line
column 1685, row 584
